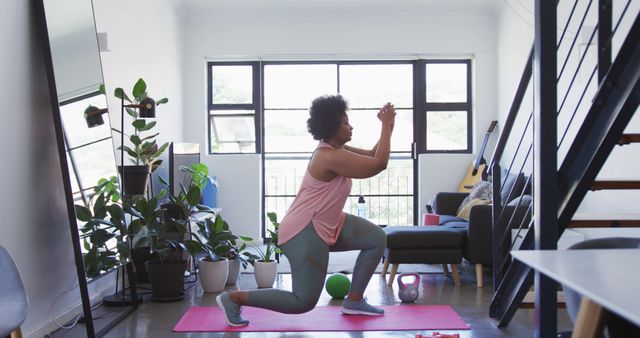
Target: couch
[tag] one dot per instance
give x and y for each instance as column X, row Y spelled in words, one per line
column 477, row 231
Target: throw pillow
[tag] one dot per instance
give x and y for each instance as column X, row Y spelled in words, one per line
column 480, row 190
column 464, row 213
column 524, row 201
column 512, row 186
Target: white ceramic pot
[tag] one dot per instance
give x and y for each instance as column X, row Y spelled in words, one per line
column 265, row 273
column 234, row 271
column 213, row 275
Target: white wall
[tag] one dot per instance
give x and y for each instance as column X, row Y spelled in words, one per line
column 145, row 41
column 515, row 37
column 35, row 226
column 235, row 34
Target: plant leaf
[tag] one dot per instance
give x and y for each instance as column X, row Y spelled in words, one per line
column 163, row 180
column 139, row 89
column 162, row 101
column 119, row 93
column 193, row 196
column 132, row 112
column 83, row 214
column 135, row 139
column 100, row 207
column 139, row 124
column 101, row 89
column 147, row 126
column 246, row 239
column 150, row 136
column 273, row 217
column 115, row 211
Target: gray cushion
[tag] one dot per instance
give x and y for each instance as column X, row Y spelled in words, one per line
column 422, row 237
column 521, row 201
column 457, row 225
column 444, row 219
column 512, row 186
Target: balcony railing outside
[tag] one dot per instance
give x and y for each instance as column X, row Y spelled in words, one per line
column 388, row 195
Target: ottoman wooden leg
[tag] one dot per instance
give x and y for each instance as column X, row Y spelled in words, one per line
column 394, row 270
column 479, row 275
column 385, row 266
column 445, row 268
column 17, row 333
column 456, row 275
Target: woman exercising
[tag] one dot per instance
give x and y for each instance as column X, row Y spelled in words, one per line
column 315, row 223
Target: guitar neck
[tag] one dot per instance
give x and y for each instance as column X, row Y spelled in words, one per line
column 480, row 160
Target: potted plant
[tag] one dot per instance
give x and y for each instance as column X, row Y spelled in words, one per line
column 166, row 273
column 236, row 257
column 212, row 241
column 264, row 264
column 144, row 152
column 103, row 224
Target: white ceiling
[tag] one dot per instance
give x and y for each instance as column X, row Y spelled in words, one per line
column 203, row 8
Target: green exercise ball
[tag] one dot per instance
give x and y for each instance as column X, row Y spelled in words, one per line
column 338, row 285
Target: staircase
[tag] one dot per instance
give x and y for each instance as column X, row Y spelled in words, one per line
column 593, row 129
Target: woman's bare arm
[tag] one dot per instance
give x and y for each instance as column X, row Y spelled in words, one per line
column 327, row 163
column 360, row 151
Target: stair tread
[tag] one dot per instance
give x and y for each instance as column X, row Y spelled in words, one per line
column 600, row 223
column 629, row 138
column 615, row 184
column 579, row 216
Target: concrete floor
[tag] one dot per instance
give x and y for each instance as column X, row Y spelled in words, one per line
column 157, row 319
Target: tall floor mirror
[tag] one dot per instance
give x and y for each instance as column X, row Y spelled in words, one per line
column 85, row 147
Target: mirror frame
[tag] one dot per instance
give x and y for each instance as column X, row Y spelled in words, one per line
column 66, row 180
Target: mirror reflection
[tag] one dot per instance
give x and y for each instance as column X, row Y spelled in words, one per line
column 85, row 120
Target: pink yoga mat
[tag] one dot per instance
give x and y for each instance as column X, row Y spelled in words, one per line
column 326, row 318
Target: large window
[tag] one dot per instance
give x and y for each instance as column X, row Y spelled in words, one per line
column 288, row 93
column 262, row 107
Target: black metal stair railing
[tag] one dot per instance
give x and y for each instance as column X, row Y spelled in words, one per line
column 616, row 99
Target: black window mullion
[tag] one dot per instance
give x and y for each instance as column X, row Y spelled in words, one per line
column 258, row 104
column 419, row 104
column 469, row 112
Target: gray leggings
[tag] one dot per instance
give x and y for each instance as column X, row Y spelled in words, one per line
column 309, row 258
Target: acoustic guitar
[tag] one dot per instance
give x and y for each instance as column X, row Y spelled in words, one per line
column 477, row 170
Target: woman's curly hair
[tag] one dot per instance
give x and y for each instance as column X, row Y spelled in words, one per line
column 326, row 115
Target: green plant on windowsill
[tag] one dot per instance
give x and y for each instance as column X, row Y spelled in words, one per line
column 271, row 247
column 144, row 149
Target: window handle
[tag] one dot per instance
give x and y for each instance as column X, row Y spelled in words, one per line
column 414, row 151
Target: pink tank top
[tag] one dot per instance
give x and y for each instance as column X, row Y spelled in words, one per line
column 318, row 202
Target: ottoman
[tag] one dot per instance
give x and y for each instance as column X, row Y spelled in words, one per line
column 422, row 245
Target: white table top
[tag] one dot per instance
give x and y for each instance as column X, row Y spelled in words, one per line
column 609, row 277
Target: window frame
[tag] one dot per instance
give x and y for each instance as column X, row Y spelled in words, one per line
column 421, row 106
column 256, row 105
